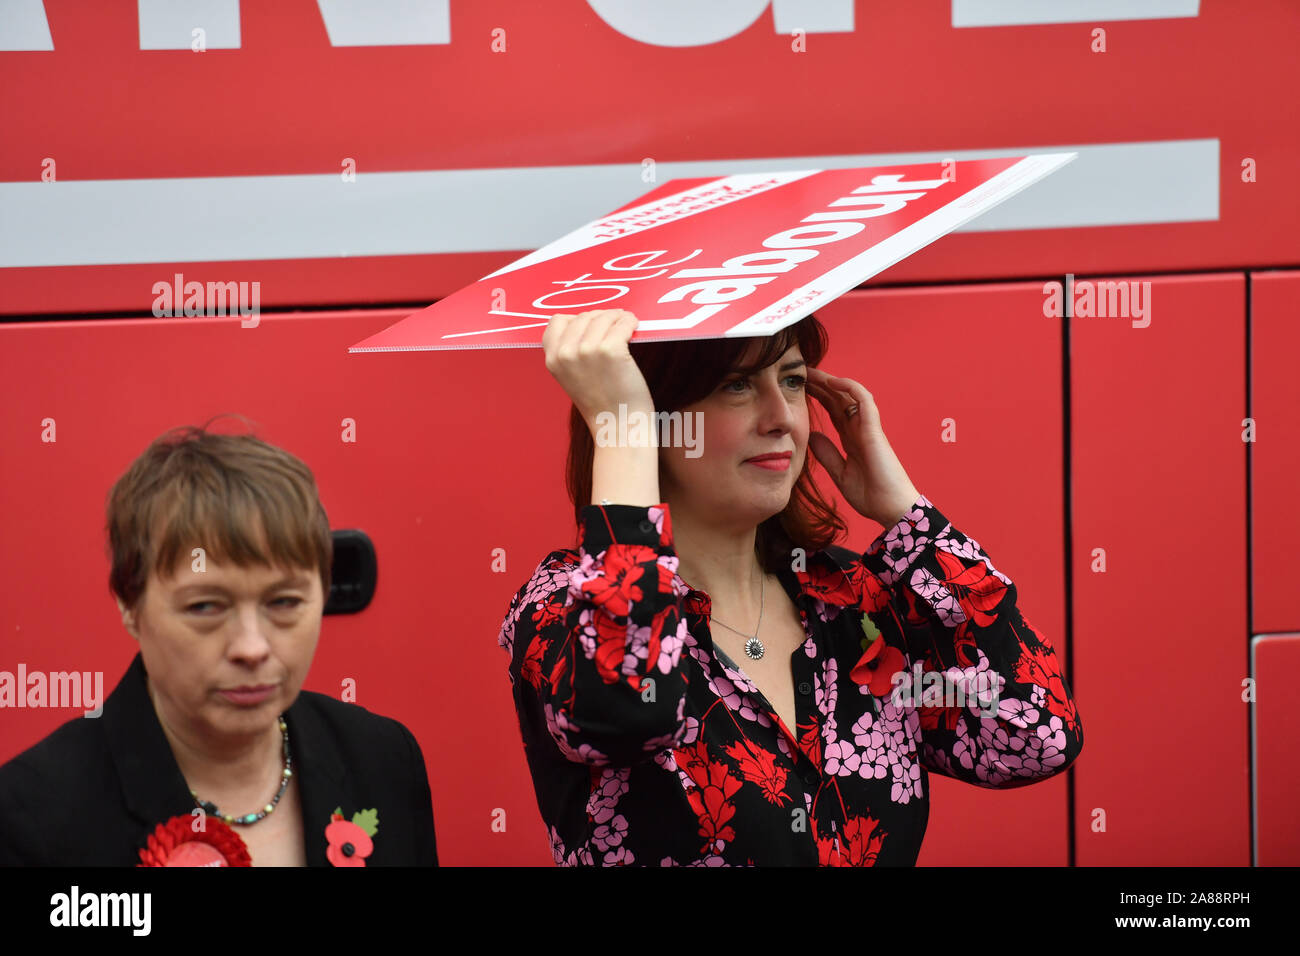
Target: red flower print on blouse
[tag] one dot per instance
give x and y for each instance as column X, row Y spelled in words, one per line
column 697, row 604
column 977, row 591
column 658, row 630
column 915, row 616
column 617, row 589
column 874, row 593
column 810, row 742
column 939, row 718
column 611, row 643
column 965, row 646
column 1036, row 667
column 531, row 670
column 761, row 768
column 350, row 841
column 547, row 613
column 710, row 798
column 557, row 674
column 857, row 844
column 830, row 585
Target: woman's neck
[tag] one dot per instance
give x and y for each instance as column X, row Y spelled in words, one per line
column 230, row 765
column 723, row 564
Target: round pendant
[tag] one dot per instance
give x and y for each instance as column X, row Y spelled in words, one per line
column 754, row 649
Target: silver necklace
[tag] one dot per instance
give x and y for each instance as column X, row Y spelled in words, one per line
column 754, row 648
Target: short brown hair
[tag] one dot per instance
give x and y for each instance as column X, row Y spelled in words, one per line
column 682, row 373
column 194, row 488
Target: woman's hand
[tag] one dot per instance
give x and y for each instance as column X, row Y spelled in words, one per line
column 870, row 477
column 588, row 355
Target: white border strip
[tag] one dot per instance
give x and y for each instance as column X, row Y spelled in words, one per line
column 251, row 218
column 658, row 212
column 1014, row 13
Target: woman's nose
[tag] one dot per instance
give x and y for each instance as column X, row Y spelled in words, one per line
column 777, row 414
column 250, row 642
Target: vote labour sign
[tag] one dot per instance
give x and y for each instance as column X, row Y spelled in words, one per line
column 739, row 255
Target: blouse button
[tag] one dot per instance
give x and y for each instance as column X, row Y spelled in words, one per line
column 804, row 688
column 810, row 777
column 646, row 526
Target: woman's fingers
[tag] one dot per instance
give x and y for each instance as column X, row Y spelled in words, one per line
column 844, row 393
column 554, row 328
column 834, row 401
column 568, row 336
column 574, row 332
column 829, row 402
column 621, row 327
column 852, row 391
column 588, row 355
column 857, row 392
column 825, row 451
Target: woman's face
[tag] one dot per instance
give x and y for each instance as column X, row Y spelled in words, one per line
column 227, row 648
column 762, row 413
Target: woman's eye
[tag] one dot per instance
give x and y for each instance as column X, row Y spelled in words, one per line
column 798, row 382
column 284, row 602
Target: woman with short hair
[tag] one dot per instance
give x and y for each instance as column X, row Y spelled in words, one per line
column 208, row 752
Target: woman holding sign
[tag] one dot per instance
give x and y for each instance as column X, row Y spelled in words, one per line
column 707, row 679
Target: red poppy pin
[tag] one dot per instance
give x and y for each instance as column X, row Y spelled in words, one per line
column 194, row 841
column 879, row 662
column 351, row 841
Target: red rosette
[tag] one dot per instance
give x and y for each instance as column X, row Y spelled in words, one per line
column 175, row 843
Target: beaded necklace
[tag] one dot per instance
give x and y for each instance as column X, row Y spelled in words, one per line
column 250, row 818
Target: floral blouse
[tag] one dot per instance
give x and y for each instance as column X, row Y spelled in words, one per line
column 649, row 746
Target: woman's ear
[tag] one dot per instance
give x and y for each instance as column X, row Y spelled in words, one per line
column 128, row 620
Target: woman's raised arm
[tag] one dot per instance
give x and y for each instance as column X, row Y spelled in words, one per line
column 596, row 642
column 596, row 639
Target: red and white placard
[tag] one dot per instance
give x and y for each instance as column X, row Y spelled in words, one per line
column 736, row 256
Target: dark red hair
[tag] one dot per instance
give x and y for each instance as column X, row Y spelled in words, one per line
column 682, row 373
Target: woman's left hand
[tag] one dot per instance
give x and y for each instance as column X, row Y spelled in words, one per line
column 871, row 477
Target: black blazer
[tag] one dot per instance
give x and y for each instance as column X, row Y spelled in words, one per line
column 90, row 793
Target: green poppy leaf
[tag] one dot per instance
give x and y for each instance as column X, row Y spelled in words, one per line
column 368, row 820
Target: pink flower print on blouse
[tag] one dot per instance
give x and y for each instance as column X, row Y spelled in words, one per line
column 737, row 693
column 560, row 726
column 841, row 759
column 969, row 549
column 619, row 856
column 546, row 580
column 943, row 601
